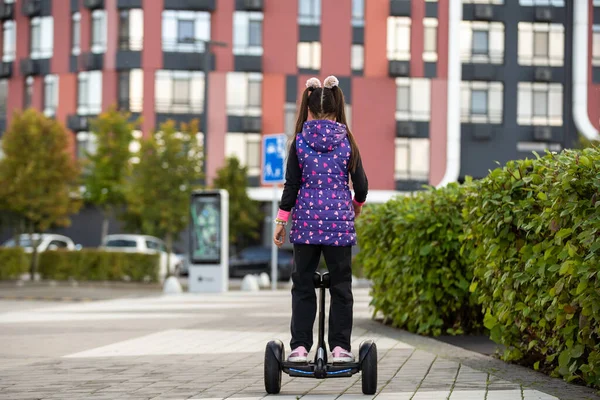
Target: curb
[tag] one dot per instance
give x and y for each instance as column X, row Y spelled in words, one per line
column 47, row 298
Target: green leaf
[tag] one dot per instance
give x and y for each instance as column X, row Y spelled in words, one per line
column 542, row 196
column 585, row 161
column 563, row 233
column 473, row 286
column 489, row 321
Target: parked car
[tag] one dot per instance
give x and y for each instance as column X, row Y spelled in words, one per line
column 146, row 245
column 256, row 259
column 185, row 261
column 47, row 241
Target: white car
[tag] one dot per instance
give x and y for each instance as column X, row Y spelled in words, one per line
column 47, row 241
column 146, row 245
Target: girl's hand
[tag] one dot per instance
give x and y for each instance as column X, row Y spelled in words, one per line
column 357, row 210
column 279, row 237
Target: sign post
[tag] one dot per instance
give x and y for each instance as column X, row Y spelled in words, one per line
column 273, row 173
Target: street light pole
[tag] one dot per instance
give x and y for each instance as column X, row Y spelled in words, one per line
column 207, row 64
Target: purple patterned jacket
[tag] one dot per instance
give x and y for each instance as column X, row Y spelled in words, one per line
column 323, row 214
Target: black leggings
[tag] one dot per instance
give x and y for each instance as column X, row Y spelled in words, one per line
column 304, row 299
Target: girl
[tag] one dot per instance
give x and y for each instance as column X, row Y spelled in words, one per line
column 320, row 161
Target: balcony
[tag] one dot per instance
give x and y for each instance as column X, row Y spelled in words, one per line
column 484, row 12
column 78, row 123
column 7, row 11
column 248, row 63
column 249, row 5
column 30, row 67
column 31, row 8
column 90, row 62
column 543, row 74
column 251, row 124
column 543, row 14
column 6, row 69
column 399, row 68
column 400, row 8
column 190, row 5
column 542, row 133
column 93, row 4
column 412, row 129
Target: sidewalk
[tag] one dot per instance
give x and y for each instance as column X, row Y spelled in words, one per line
column 212, row 347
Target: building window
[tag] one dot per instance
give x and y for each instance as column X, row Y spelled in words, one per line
column 357, row 59
column 131, row 30
column 184, row 31
column 483, row 42
column 9, row 40
column 41, row 40
column 358, row 13
column 3, row 98
column 481, row 102
column 247, row 33
column 398, row 38
column 596, row 45
column 89, row 93
column 179, row 92
column 131, row 90
column 244, row 94
column 412, row 159
column 86, row 144
column 76, row 34
column 289, row 119
column 309, row 55
column 50, row 95
column 555, row 3
column 309, row 12
column 98, row 37
column 483, row 1
column 430, row 45
column 246, row 147
column 534, row 44
column 413, row 99
column 28, row 93
column 540, row 104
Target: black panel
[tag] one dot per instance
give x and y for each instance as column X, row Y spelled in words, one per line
column 412, row 129
column 410, row 186
column 248, row 63
column 91, row 62
column 308, row 71
column 193, row 5
column 73, row 64
column 486, row 72
column 244, row 124
column 78, row 123
column 128, row 60
column 129, row 4
column 478, row 132
column 430, row 68
column 178, row 118
column 93, row 4
column 291, row 88
column 253, row 181
column 234, row 123
column 398, row 68
column 309, row 33
column 185, row 61
column 44, row 66
column 47, row 8
column 346, row 86
column 512, row 13
column 596, row 74
column 596, row 15
column 74, row 6
column 358, row 35
column 249, row 5
column 360, row 72
column 400, row 8
column 7, row 11
column 431, row 10
column 6, row 70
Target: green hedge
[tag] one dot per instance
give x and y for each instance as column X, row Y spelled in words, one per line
column 98, row 265
column 410, row 249
column 13, row 263
column 532, row 232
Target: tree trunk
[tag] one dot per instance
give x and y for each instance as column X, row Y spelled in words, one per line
column 169, row 244
column 34, row 254
column 105, row 223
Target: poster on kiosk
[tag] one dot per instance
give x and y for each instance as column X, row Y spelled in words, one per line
column 209, row 242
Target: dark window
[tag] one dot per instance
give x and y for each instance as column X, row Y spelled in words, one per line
column 124, row 30
column 123, row 90
column 481, row 42
column 185, row 31
column 479, row 102
column 58, row 243
column 121, row 243
column 255, row 33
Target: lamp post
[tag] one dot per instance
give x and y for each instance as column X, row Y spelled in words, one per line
column 207, row 62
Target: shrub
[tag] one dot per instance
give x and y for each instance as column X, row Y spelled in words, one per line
column 410, row 249
column 532, row 232
column 98, row 265
column 13, row 263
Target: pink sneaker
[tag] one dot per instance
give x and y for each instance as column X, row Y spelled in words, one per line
column 299, row 354
column 340, row 355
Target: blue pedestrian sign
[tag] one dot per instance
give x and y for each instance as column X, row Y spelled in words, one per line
column 273, row 158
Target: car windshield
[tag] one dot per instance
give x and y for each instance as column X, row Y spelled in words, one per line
column 23, row 242
column 121, row 243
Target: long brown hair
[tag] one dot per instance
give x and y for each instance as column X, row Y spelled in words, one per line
column 325, row 103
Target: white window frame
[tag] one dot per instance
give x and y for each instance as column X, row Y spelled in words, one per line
column 483, row 1
column 357, row 57
column 314, row 16
column 525, row 104
column 241, row 33
column 289, row 119
column 430, row 27
column 412, row 159
column 542, row 3
column 358, row 19
column 76, row 33
column 313, row 49
column 45, row 27
column 596, row 45
column 51, row 97
column 9, row 33
column 170, row 31
column 495, row 102
column 164, row 92
column 555, row 39
column 92, row 82
column 419, row 101
column 98, row 17
column 135, row 83
column 238, row 94
column 495, row 44
column 88, row 139
column 3, row 98
column 135, row 32
column 398, row 38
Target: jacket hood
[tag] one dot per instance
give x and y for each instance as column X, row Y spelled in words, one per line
column 323, row 135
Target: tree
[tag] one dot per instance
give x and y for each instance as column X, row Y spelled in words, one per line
column 109, row 167
column 170, row 165
column 38, row 174
column 244, row 214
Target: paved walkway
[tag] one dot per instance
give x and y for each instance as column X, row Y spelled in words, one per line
column 212, row 347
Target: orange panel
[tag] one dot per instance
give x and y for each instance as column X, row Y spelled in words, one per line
column 61, row 11
column 148, row 111
column 273, row 103
column 280, row 36
column 438, row 130
column 336, row 37
column 14, row 101
column 442, row 39
column 112, row 34
column 222, row 30
column 109, row 89
column 67, row 102
column 217, row 123
column 376, row 14
column 152, row 55
column 85, row 29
